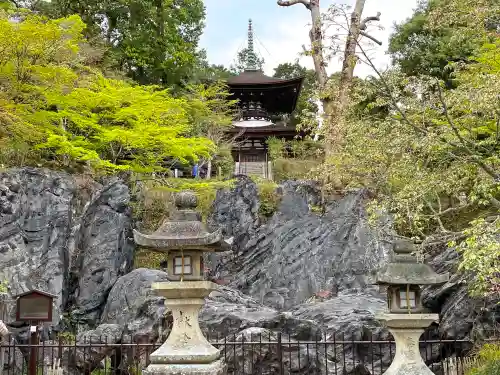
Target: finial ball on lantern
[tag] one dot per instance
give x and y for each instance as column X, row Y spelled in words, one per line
column 186, row 200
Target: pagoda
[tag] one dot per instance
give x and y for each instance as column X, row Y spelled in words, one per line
column 264, row 103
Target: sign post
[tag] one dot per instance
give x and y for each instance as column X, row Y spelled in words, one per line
column 34, row 307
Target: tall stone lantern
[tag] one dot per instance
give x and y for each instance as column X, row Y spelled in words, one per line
column 184, row 238
column 407, row 318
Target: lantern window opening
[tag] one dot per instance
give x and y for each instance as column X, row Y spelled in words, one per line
column 183, row 265
column 407, row 298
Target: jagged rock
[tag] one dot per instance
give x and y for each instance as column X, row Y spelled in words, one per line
column 265, row 358
column 227, row 312
column 42, row 238
column 297, row 198
column 461, row 316
column 133, row 305
column 297, row 256
column 34, row 232
column 105, row 249
column 236, row 211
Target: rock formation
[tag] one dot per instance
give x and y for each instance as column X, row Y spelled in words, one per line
column 300, row 273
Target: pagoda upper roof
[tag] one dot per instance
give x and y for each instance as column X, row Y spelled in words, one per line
column 258, row 78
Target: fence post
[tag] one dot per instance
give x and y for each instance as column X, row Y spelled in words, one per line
column 280, row 353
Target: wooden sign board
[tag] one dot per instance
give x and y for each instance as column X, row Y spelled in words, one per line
column 34, row 306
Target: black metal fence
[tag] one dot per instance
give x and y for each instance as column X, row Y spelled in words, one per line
column 248, row 353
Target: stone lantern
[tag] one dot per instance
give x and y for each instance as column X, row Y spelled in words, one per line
column 184, row 238
column 407, row 318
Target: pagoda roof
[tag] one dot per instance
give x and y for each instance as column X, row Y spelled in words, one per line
column 258, row 78
column 276, row 95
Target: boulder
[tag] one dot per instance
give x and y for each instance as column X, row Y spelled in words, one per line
column 35, row 225
column 47, row 243
column 133, row 305
column 104, row 249
column 236, row 212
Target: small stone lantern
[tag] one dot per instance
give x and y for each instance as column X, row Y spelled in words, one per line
column 184, row 238
column 407, row 318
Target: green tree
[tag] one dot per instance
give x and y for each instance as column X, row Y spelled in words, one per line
column 68, row 114
column 206, row 72
column 434, row 162
column 241, row 62
column 443, row 31
column 153, row 41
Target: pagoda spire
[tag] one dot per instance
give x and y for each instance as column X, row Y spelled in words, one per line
column 251, row 56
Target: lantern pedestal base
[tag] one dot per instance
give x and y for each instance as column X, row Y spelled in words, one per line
column 186, row 350
column 407, row 329
column 214, row 368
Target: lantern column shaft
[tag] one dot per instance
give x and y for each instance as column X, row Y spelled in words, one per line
column 407, row 330
column 186, row 350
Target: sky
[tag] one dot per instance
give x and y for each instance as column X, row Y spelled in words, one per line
column 280, row 32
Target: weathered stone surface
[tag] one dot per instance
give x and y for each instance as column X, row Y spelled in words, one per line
column 104, row 249
column 236, row 212
column 133, row 305
column 294, row 257
column 227, row 312
column 47, row 243
column 290, row 357
column 35, row 225
column 460, row 315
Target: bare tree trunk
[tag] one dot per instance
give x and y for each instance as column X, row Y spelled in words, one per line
column 316, row 37
column 334, row 107
column 209, row 170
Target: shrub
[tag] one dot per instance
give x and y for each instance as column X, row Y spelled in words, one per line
column 488, row 361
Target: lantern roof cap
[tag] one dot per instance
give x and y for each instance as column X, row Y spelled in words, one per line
column 184, row 230
column 405, row 268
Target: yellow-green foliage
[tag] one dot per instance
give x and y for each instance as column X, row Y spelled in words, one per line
column 293, row 169
column 54, row 109
column 158, row 202
column 488, row 361
column 4, row 286
column 434, row 159
column 268, row 196
column 481, row 255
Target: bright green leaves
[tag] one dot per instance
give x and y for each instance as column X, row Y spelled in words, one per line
column 132, row 127
column 75, row 116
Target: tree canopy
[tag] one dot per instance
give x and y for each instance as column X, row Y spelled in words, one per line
column 62, row 112
column 306, row 106
column 152, row 41
column 430, row 151
column 443, row 31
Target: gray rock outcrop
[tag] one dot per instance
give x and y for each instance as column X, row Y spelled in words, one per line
column 47, row 244
column 104, row 249
column 299, row 253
